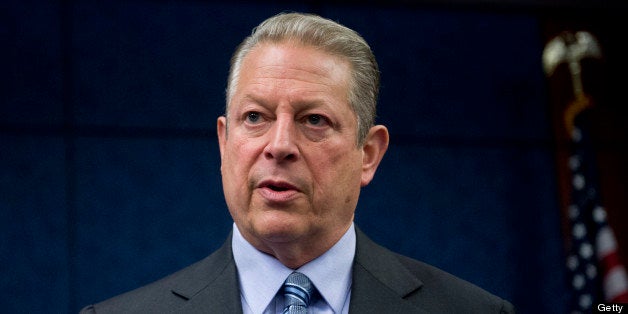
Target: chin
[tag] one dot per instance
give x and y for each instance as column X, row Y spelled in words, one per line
column 280, row 228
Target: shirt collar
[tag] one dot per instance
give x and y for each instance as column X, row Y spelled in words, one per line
column 261, row 275
column 331, row 272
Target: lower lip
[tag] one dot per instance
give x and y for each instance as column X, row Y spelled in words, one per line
column 278, row 196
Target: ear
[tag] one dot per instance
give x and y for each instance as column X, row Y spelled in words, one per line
column 221, row 128
column 375, row 146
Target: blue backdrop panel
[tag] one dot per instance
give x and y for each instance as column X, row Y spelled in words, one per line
column 145, row 209
column 34, row 227
column 31, row 63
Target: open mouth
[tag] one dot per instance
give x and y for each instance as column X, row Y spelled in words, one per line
column 277, row 188
column 278, row 192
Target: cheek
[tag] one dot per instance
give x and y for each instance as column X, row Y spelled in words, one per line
column 235, row 168
column 236, row 162
column 339, row 172
column 339, row 188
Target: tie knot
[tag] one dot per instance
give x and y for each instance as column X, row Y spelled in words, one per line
column 297, row 290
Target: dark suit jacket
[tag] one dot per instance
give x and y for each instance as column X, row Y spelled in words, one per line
column 383, row 282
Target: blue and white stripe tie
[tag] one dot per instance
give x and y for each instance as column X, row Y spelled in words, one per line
column 297, row 290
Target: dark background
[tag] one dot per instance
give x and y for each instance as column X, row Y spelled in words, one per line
column 109, row 164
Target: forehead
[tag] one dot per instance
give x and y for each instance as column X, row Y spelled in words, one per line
column 289, row 55
column 294, row 65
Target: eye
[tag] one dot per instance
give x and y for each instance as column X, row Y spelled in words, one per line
column 253, row 117
column 316, row 119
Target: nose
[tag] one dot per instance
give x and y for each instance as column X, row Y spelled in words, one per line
column 282, row 141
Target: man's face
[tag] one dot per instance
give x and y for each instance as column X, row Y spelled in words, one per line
column 291, row 169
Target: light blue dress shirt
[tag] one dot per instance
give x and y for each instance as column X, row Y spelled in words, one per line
column 261, row 276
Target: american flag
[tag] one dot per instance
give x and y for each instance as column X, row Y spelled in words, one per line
column 595, row 272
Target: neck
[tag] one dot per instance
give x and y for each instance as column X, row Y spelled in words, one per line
column 294, row 253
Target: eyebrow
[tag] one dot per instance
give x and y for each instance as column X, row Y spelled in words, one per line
column 302, row 104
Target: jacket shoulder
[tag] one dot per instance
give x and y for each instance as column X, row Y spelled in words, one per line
column 453, row 294
column 426, row 287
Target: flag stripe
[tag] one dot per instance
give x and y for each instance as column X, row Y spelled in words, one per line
column 606, row 243
column 615, row 283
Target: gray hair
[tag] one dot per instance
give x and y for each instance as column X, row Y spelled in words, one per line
column 331, row 37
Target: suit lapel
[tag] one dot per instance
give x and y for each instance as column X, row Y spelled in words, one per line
column 380, row 281
column 212, row 285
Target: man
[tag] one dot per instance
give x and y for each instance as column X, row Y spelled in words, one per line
column 297, row 143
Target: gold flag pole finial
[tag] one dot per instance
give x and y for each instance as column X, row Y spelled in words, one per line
column 571, row 48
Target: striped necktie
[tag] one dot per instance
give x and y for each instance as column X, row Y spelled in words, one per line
column 297, row 290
